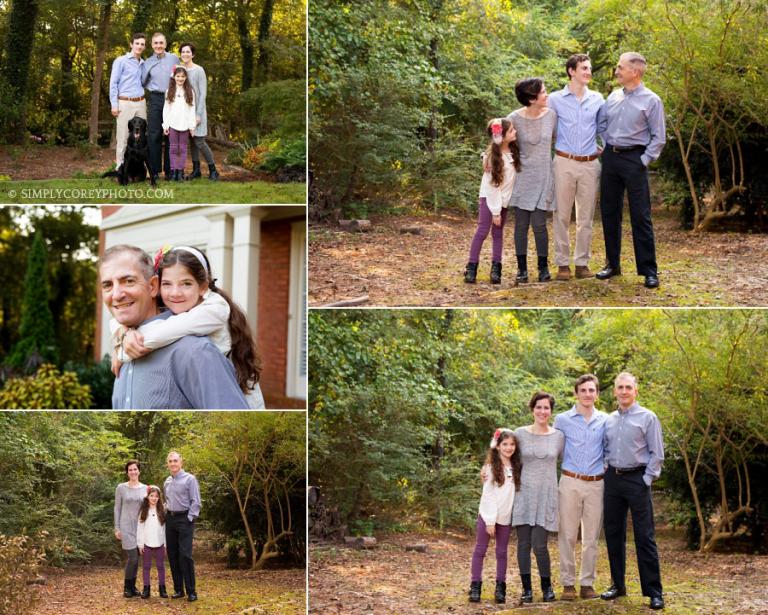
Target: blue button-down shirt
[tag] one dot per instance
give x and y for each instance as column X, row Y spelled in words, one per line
column 156, row 73
column 576, row 121
column 125, row 78
column 183, row 493
column 633, row 438
column 189, row 373
column 634, row 118
column 583, row 451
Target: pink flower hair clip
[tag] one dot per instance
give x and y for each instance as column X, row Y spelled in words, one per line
column 496, row 129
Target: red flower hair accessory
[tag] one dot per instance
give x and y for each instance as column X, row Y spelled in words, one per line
column 496, row 129
column 159, row 256
column 496, row 435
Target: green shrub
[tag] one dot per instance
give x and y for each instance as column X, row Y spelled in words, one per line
column 285, row 153
column 48, row 388
column 276, row 107
column 99, row 377
column 19, row 562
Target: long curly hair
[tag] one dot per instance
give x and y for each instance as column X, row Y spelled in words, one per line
column 188, row 93
column 493, row 459
column 159, row 507
column 243, row 354
column 494, row 153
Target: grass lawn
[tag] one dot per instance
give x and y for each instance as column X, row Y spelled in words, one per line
column 100, row 191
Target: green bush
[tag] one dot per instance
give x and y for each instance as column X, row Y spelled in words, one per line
column 48, row 388
column 278, row 107
column 99, row 377
column 285, row 153
column 19, row 562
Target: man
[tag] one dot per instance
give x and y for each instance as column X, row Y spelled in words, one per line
column 632, row 125
column 156, row 74
column 581, row 487
column 576, row 166
column 190, row 373
column 126, row 94
column 182, row 507
column 634, row 452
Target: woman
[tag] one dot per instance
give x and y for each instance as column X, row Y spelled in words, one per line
column 128, row 499
column 199, row 83
column 534, row 192
column 535, row 511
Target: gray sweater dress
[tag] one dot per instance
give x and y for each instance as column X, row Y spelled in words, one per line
column 535, row 182
column 536, row 502
column 199, row 83
column 127, row 504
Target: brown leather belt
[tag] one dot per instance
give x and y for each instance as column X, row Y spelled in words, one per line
column 582, row 476
column 577, row 158
column 131, row 99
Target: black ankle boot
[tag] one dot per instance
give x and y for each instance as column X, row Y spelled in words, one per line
column 522, row 269
column 145, row 592
column 195, row 170
column 546, row 589
column 474, row 591
column 127, row 593
column 135, row 591
column 495, row 272
column 175, row 175
column 500, row 596
column 544, row 275
column 527, row 596
column 161, row 591
column 213, row 174
column 470, row 273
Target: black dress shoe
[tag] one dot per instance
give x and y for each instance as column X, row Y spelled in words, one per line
column 613, row 592
column 192, row 597
column 608, row 272
column 657, row 603
column 651, row 281
column 177, row 595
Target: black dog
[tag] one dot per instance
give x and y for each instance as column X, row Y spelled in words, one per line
column 135, row 165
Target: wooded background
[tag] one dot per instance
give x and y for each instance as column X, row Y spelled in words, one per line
column 57, row 56
column 403, row 403
column 401, row 91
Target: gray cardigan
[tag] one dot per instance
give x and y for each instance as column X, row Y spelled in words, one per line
column 199, row 83
column 127, row 504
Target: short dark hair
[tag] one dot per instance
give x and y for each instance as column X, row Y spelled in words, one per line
column 572, row 62
column 190, row 45
column 136, row 35
column 541, row 395
column 132, row 462
column 527, row 90
column 586, row 378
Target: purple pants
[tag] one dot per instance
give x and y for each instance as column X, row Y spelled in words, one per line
column 481, row 546
column 485, row 224
column 178, row 142
column 158, row 553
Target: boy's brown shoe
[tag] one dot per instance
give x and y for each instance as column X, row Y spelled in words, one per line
column 569, row 593
column 587, row 592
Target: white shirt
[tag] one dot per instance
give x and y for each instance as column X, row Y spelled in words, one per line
column 178, row 114
column 497, row 197
column 496, row 501
column 150, row 533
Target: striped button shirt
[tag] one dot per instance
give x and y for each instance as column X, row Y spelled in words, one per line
column 182, row 492
column 583, row 451
column 633, row 438
column 576, row 121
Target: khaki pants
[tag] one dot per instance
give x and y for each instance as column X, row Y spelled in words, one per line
column 128, row 110
column 581, row 505
column 574, row 182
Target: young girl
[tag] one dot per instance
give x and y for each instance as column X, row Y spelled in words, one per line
column 150, row 538
column 188, row 289
column 501, row 479
column 501, row 161
column 179, row 119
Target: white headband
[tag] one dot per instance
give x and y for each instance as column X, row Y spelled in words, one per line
column 197, row 254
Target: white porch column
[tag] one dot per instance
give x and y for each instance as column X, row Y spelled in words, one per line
column 219, row 248
column 246, row 243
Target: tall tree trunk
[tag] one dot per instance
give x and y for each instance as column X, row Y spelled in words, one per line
column 67, row 90
column 18, row 51
column 102, row 37
column 141, row 17
column 246, row 45
column 265, row 23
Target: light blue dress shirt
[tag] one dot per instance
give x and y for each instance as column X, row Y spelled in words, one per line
column 633, row 438
column 182, row 492
column 583, row 451
column 634, row 118
column 125, row 78
column 156, row 72
column 576, row 121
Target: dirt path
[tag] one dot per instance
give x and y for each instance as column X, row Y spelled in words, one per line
column 394, row 268
column 392, row 580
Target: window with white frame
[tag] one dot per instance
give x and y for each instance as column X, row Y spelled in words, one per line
column 296, row 380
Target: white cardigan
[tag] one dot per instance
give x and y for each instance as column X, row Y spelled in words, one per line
column 178, row 114
column 496, row 501
column 497, row 197
column 150, row 533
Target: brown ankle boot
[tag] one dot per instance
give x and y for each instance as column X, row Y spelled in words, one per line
column 582, row 271
column 586, row 592
column 563, row 274
column 568, row 593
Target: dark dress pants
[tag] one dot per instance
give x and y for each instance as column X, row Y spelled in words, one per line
column 629, row 492
column 625, row 171
column 156, row 140
column 178, row 540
